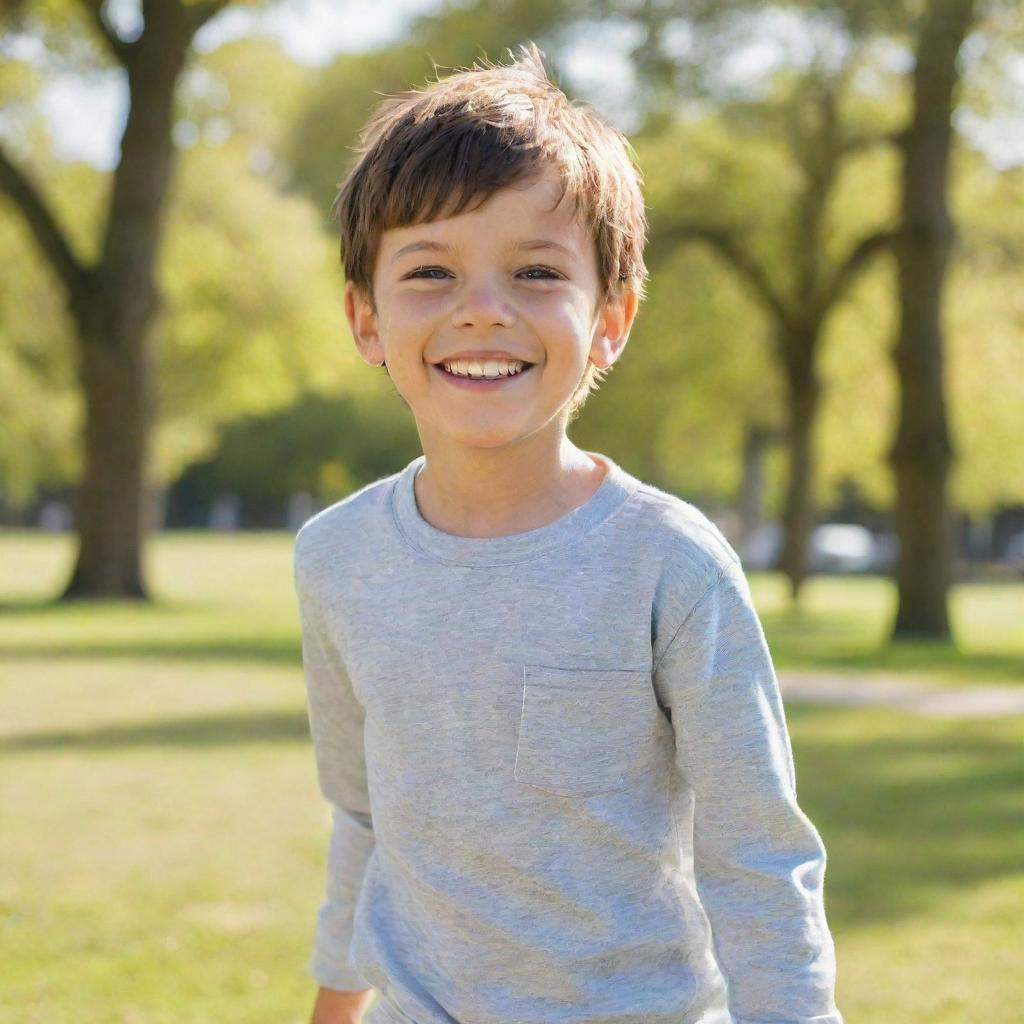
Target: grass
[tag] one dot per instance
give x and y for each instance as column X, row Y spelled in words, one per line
column 844, row 623
column 164, row 840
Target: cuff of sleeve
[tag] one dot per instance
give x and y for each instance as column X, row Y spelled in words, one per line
column 825, row 1018
column 338, row 975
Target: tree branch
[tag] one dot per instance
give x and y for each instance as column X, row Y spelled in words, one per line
column 728, row 246
column 51, row 240
column 120, row 48
column 200, row 13
column 861, row 254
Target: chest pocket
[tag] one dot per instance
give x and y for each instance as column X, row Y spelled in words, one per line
column 584, row 731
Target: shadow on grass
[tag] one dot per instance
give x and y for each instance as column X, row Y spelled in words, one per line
column 151, row 606
column 964, row 666
column 243, row 649
column 159, row 630
column 205, row 731
column 840, row 642
column 906, row 820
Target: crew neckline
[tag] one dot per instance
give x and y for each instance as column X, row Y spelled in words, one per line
column 613, row 491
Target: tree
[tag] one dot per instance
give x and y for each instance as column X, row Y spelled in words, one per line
column 113, row 299
column 922, row 452
column 251, row 316
column 797, row 274
column 921, row 240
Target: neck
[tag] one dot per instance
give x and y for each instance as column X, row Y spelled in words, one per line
column 479, row 492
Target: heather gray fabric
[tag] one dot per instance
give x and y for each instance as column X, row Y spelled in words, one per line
column 561, row 782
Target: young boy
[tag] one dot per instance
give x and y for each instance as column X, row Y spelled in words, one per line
column 542, row 706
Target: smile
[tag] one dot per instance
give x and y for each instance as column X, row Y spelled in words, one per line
column 481, row 384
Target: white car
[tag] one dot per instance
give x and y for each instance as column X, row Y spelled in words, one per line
column 842, row 547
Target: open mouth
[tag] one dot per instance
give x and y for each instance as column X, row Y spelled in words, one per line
column 482, row 382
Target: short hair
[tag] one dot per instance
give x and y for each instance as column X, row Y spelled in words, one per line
column 449, row 146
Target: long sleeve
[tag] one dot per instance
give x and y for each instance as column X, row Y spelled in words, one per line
column 759, row 863
column 336, row 726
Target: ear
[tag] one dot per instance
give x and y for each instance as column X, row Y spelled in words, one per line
column 364, row 324
column 613, row 327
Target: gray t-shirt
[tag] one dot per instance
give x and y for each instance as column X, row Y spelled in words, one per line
column 561, row 782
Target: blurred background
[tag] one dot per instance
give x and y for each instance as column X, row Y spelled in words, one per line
column 829, row 363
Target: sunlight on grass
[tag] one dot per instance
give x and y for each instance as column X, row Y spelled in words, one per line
column 923, row 821
column 168, row 856
column 215, row 597
column 844, row 622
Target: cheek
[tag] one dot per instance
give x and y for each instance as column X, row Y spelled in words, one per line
column 406, row 315
column 560, row 317
column 416, row 305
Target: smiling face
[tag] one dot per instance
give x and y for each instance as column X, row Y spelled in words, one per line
column 517, row 276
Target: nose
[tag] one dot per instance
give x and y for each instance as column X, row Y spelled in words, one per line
column 483, row 305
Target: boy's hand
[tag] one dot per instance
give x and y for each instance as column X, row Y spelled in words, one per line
column 333, row 1007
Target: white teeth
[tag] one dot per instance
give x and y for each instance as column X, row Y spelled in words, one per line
column 491, row 369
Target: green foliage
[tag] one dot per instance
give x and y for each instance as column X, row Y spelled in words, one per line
column 63, row 34
column 698, row 355
column 322, row 140
column 252, row 317
column 248, row 89
column 40, row 405
column 985, row 316
column 320, row 150
column 251, row 288
column 253, row 311
column 326, row 446
column 860, row 397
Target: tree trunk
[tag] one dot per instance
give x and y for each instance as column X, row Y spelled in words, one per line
column 798, row 510
column 752, row 484
column 110, row 502
column 114, row 319
column 922, row 452
column 799, row 335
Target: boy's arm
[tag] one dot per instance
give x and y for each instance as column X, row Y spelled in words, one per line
column 336, row 726
column 759, row 862
column 340, row 1007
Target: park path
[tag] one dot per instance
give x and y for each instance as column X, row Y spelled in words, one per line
column 851, row 688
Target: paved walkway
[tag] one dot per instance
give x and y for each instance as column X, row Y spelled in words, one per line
column 823, row 687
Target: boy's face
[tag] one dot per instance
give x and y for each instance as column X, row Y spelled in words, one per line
column 514, row 277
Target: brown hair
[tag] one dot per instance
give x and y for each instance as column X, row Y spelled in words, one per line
column 437, row 151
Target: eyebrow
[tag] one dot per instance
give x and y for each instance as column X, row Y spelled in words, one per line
column 545, row 243
column 423, row 246
column 529, row 246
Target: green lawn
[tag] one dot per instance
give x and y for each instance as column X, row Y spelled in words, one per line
column 844, row 622
column 163, row 839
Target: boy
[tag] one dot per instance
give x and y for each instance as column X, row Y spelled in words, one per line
column 542, row 707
